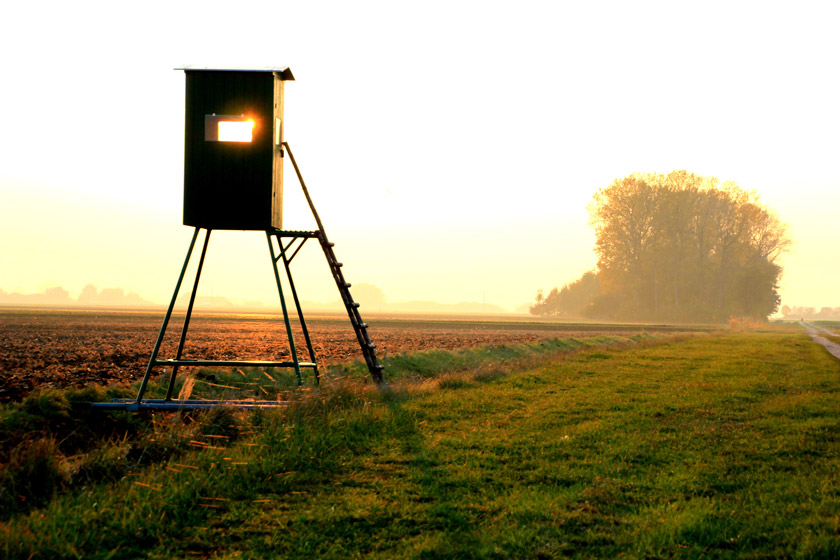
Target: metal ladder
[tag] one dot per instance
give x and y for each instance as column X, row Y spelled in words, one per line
column 359, row 326
column 368, row 347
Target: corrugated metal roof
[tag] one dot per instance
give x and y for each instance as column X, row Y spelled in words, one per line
column 284, row 71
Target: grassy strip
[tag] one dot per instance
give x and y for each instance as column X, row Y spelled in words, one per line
column 416, row 366
column 53, row 441
column 716, row 446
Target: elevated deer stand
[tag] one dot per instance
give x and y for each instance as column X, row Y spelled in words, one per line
column 233, row 179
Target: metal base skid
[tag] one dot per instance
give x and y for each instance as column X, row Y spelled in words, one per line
column 132, row 405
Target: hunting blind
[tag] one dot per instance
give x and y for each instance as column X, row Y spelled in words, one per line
column 233, row 180
column 233, row 152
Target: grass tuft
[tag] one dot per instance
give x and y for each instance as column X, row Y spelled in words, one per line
column 453, row 382
column 34, row 472
column 220, row 421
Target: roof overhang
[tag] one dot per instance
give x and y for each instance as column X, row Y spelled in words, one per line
column 284, row 71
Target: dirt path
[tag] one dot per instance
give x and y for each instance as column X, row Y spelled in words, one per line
column 814, row 331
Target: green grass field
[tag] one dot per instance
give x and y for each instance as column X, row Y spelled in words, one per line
column 654, row 447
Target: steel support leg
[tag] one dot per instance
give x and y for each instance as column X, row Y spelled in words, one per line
column 274, row 259
column 312, row 357
column 166, row 320
column 189, row 314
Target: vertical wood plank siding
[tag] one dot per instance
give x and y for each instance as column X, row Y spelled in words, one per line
column 232, row 185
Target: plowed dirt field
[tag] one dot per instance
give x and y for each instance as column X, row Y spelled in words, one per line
column 76, row 347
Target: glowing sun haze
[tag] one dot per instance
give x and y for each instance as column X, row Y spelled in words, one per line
column 450, row 147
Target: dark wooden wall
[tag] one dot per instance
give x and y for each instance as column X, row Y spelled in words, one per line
column 231, row 185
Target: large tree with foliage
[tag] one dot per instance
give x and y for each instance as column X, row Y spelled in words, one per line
column 684, row 247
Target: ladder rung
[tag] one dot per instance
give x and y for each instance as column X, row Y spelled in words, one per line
column 338, row 264
column 363, row 325
column 330, row 244
column 347, row 284
column 354, row 304
column 371, row 345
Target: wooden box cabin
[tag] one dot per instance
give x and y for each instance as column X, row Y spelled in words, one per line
column 233, row 156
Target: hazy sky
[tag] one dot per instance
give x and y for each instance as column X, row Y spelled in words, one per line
column 451, row 147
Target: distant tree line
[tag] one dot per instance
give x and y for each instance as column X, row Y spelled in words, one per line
column 811, row 313
column 571, row 300
column 90, row 295
column 676, row 247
